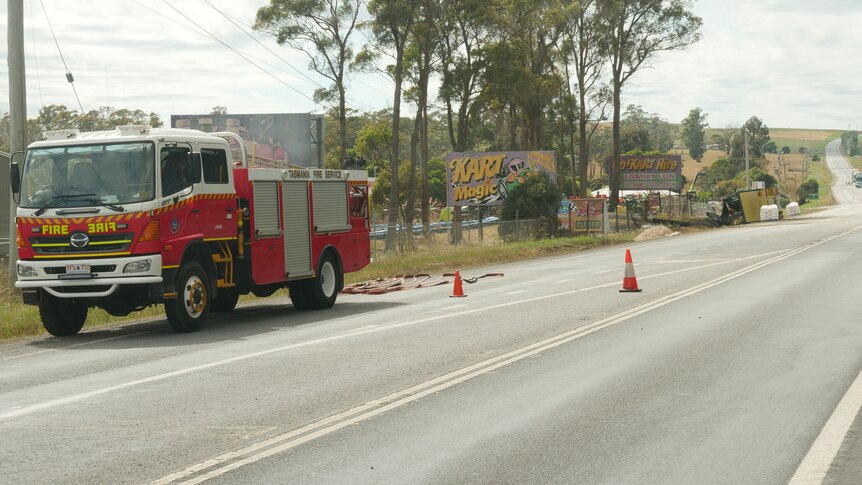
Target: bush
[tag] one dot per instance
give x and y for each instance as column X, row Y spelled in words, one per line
column 537, row 198
column 805, row 189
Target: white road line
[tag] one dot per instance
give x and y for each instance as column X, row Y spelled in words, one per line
column 516, row 292
column 230, row 461
column 815, row 465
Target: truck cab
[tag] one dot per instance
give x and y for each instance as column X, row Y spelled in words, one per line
column 105, row 218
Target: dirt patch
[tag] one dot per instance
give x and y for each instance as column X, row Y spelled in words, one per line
column 655, row 232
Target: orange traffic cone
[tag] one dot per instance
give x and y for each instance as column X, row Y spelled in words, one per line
column 457, row 291
column 630, row 282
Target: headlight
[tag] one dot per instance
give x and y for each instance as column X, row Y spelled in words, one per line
column 27, row 271
column 141, row 266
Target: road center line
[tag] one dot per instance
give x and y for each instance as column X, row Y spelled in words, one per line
column 230, row 461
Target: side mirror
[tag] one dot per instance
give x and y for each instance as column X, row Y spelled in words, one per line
column 15, row 176
column 195, row 164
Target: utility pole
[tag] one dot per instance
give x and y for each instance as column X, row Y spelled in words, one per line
column 747, row 175
column 17, row 110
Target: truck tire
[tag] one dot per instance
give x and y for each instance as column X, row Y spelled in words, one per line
column 187, row 312
column 62, row 317
column 299, row 294
column 323, row 289
column 226, row 300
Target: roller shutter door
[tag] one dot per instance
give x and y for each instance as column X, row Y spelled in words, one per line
column 330, row 206
column 266, row 209
column 297, row 234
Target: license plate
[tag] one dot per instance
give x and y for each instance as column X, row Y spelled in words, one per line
column 77, row 269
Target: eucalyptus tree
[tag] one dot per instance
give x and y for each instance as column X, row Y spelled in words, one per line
column 420, row 60
column 465, row 27
column 634, row 31
column 522, row 62
column 322, row 30
column 392, row 24
column 582, row 48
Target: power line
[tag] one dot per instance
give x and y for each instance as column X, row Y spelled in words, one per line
column 69, row 76
column 239, row 53
column 264, row 46
column 241, row 28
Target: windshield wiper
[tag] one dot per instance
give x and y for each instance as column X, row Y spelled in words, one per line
column 105, row 204
column 58, row 199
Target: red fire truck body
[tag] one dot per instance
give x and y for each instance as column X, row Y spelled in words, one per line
column 139, row 216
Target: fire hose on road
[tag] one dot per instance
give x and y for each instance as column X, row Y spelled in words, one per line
column 407, row 282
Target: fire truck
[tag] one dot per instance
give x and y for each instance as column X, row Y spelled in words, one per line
column 140, row 216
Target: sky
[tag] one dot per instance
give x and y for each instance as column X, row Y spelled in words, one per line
column 792, row 63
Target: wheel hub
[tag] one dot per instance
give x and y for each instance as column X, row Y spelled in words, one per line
column 195, row 296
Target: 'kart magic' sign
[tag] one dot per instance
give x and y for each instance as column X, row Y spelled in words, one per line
column 651, row 172
column 485, row 178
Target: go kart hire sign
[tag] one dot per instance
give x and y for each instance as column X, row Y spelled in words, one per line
column 485, row 178
column 651, row 172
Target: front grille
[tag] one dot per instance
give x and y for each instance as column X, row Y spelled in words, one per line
column 96, row 268
column 99, row 243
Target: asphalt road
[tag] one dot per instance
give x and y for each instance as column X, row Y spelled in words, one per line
column 737, row 363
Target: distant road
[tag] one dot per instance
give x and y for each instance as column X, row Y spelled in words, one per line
column 843, row 190
column 742, row 348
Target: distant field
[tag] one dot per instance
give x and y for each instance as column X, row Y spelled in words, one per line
column 792, row 133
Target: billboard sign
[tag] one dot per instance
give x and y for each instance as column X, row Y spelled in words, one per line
column 651, row 172
column 485, row 178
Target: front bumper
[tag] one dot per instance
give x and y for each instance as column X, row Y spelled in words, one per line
column 105, row 278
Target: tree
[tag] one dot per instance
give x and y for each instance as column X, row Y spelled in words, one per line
column 463, row 38
column 536, row 198
column 218, row 110
column 850, row 143
column 694, row 134
column 769, row 147
column 758, row 135
column 785, row 149
column 644, row 132
column 722, row 169
column 420, row 57
column 593, row 99
column 393, row 22
column 633, row 32
column 321, row 29
column 521, row 64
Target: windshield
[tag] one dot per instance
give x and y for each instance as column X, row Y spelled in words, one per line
column 119, row 173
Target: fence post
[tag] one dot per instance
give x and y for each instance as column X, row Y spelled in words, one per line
column 479, row 216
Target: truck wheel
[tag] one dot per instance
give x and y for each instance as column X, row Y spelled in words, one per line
column 299, row 294
column 323, row 290
column 62, row 317
column 226, row 300
column 187, row 312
